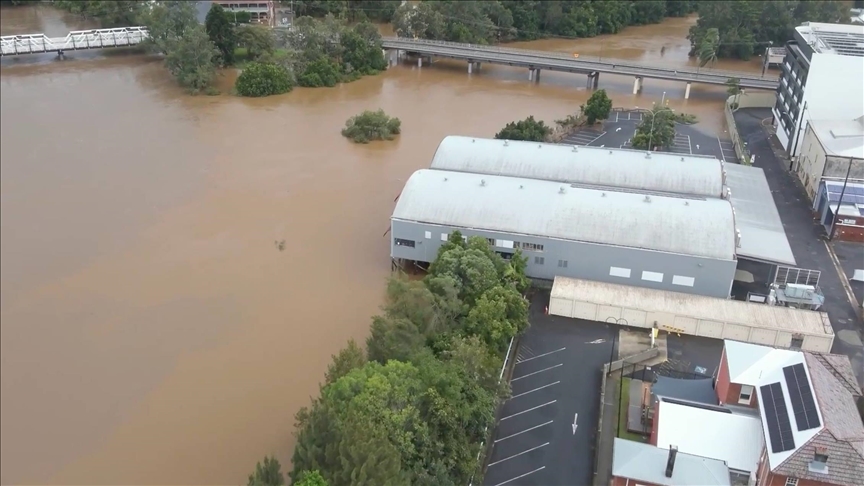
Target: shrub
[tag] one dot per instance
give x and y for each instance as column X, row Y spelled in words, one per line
column 527, row 129
column 320, row 72
column 263, row 79
column 598, row 107
column 371, row 125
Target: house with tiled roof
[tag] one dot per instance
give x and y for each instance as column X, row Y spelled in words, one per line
column 812, row 429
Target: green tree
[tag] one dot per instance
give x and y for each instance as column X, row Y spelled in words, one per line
column 190, row 60
column 267, row 474
column 419, row 21
column 221, row 32
column 110, row 13
column 393, row 338
column 263, row 79
column 528, row 129
column 320, row 72
column 259, row 42
column 656, row 130
column 371, row 125
column 708, row 47
column 598, row 107
column 310, row 478
column 349, row 358
column 733, row 88
column 168, row 21
column 499, row 314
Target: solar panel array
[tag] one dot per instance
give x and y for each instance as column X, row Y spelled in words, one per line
column 777, row 418
column 854, row 193
column 801, row 396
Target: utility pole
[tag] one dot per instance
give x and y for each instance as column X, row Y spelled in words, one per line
column 842, row 193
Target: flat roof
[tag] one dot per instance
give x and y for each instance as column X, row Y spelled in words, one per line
column 841, row 138
column 645, row 462
column 731, row 437
column 661, row 172
column 763, row 237
column 694, row 227
column 840, row 39
column 695, row 306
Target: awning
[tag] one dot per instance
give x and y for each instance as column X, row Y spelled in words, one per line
column 762, row 235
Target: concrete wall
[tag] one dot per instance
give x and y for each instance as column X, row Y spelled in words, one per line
column 583, row 260
column 756, row 99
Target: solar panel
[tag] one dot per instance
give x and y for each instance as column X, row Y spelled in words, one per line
column 801, row 396
column 777, row 418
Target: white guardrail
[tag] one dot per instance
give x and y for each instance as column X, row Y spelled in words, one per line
column 15, row 45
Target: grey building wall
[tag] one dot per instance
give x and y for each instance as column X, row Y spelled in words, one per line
column 589, row 261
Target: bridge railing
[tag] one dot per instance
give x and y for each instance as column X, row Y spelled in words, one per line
column 79, row 39
column 564, row 56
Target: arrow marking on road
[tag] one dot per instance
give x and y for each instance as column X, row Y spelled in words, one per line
column 596, row 341
column 575, row 418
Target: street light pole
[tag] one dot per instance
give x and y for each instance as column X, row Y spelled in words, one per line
column 842, row 193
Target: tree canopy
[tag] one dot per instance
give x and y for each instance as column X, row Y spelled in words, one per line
column 597, row 107
column 371, row 125
column 417, row 411
column 746, row 27
column 221, row 32
column 527, row 129
column 263, row 79
column 656, row 130
column 267, row 474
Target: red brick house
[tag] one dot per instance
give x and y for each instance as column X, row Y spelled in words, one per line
column 807, row 403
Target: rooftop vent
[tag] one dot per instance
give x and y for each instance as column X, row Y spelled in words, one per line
column 521, row 186
column 647, row 155
column 505, row 143
column 539, row 145
column 686, row 203
column 575, row 149
column 610, row 152
column 561, row 191
column 602, row 194
column 682, row 159
column 473, row 140
column 647, row 199
column 482, row 182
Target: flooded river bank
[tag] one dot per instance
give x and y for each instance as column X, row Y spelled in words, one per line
column 152, row 331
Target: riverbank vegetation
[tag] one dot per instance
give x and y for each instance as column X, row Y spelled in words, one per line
column 486, row 22
column 263, row 79
column 746, row 27
column 372, row 125
column 414, row 406
column 528, row 129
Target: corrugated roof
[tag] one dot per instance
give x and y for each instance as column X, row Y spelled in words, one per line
column 731, row 437
column 763, row 237
column 695, row 306
column 664, row 172
column 702, row 228
column 644, row 462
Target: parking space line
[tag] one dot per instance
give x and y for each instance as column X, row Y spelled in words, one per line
column 517, row 455
column 532, row 391
column 526, row 411
column 689, row 144
column 539, row 356
column 522, row 476
column 526, row 430
column 598, row 136
column 534, row 373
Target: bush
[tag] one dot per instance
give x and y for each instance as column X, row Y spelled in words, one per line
column 528, row 129
column 597, row 107
column 320, row 72
column 263, row 79
column 371, row 125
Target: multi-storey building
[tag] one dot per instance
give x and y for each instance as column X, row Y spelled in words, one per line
column 820, row 80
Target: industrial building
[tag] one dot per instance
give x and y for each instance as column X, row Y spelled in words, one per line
column 659, row 241
column 820, row 79
column 763, row 238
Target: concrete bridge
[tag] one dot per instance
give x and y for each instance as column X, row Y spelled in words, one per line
column 16, row 45
column 537, row 61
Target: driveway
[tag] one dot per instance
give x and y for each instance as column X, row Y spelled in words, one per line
column 546, row 431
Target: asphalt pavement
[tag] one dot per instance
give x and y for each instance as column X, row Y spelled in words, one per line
column 546, row 431
column 617, row 131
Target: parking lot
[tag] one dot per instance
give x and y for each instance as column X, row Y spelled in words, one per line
column 618, row 130
column 546, row 430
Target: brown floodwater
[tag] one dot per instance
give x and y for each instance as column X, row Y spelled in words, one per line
column 152, row 330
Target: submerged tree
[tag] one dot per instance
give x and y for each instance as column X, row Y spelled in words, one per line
column 372, row 125
column 528, row 129
column 267, row 474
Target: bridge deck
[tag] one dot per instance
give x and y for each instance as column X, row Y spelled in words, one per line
column 556, row 61
column 16, row 45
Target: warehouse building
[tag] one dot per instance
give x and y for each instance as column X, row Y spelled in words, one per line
column 660, row 241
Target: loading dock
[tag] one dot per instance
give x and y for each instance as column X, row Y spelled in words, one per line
column 692, row 314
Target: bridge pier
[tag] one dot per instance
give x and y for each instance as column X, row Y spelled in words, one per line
column 470, row 67
column 593, row 80
column 60, row 54
column 534, row 75
column 419, row 61
column 687, row 92
column 637, row 85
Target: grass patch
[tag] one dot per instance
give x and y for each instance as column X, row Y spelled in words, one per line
column 624, row 402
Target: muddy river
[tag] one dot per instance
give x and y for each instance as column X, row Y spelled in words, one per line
column 152, row 330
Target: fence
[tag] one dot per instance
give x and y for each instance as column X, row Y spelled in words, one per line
column 744, row 100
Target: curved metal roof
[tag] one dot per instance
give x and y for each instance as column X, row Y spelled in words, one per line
column 663, row 172
column 696, row 227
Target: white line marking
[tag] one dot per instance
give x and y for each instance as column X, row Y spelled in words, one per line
column 517, row 455
column 532, row 391
column 690, row 145
column 522, row 476
column 575, row 419
column 526, row 430
column 616, row 116
column 526, row 411
column 541, row 371
column 540, row 355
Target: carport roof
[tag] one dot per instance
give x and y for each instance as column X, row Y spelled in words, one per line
column 662, row 172
column 693, row 306
column 645, row 462
column 514, row 206
column 763, row 237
